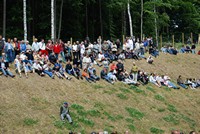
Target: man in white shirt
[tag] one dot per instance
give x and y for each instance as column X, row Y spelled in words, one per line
column 42, row 45
column 35, row 46
column 86, row 61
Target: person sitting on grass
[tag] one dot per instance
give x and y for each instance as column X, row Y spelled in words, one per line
column 112, row 76
column 87, row 76
column 128, row 80
column 153, row 80
column 64, row 113
column 92, row 73
column 180, row 82
column 63, row 73
column 143, row 77
column 104, row 75
column 4, row 68
column 37, row 68
column 47, row 69
column 150, row 60
column 168, row 83
column 76, row 72
column 20, row 66
column 191, row 84
column 56, row 69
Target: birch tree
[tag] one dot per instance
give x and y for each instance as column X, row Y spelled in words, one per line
column 156, row 27
column 4, row 18
column 52, row 21
column 25, row 20
column 130, row 19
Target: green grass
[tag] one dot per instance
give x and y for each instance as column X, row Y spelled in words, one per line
column 154, row 130
column 150, row 89
column 77, row 107
column 109, row 116
column 97, row 86
column 110, row 91
column 99, row 105
column 122, row 96
column 137, row 90
column 172, row 118
column 131, row 127
column 59, row 124
column 134, row 113
column 30, row 121
column 190, row 122
column 171, row 108
column 159, row 97
column 124, row 90
column 167, row 89
column 161, row 109
column 86, row 121
column 94, row 113
column 129, row 120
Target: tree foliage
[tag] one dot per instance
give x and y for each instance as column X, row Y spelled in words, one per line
column 173, row 16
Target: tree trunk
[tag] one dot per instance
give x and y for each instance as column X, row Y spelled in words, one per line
column 60, row 21
column 100, row 15
column 4, row 18
column 141, row 27
column 52, row 21
column 86, row 17
column 156, row 28
column 25, row 20
column 55, row 20
column 130, row 19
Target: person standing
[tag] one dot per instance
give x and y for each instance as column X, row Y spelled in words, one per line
column 134, row 72
column 9, row 51
column 2, row 44
column 35, row 46
column 64, row 112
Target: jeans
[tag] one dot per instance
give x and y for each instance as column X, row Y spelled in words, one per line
column 48, row 73
column 107, row 79
column 172, row 85
column 6, row 72
column 62, row 116
column 10, row 55
column 135, row 76
column 63, row 56
column 193, row 51
column 183, row 85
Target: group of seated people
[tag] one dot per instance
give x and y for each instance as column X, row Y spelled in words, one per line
column 184, row 49
column 192, row 83
column 79, row 60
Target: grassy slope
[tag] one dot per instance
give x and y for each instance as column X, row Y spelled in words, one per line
column 32, row 105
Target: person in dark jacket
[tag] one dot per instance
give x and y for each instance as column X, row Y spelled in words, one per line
column 64, row 112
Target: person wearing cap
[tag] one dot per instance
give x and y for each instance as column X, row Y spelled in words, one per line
column 64, row 112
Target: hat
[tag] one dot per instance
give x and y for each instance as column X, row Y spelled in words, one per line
column 65, row 103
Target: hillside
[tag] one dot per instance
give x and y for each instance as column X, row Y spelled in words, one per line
column 32, row 105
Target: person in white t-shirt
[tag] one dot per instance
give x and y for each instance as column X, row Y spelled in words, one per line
column 86, row 61
column 42, row 45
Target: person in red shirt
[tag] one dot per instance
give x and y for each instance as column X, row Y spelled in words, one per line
column 56, row 49
column 113, row 67
column 49, row 47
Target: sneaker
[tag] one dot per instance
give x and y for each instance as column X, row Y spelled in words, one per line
column 69, row 78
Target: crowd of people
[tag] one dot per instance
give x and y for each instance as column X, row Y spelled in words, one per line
column 79, row 60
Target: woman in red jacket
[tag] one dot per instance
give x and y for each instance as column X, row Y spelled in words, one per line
column 56, row 49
